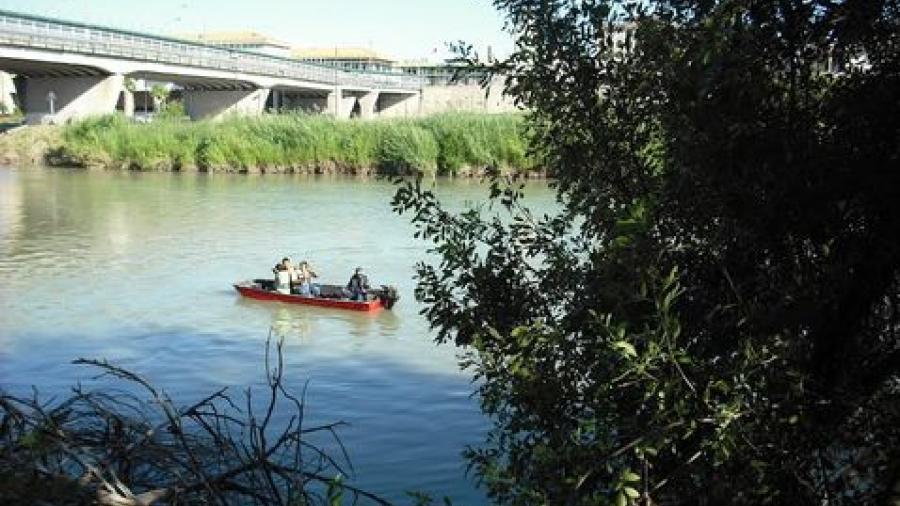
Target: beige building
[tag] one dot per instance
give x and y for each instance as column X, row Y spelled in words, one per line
column 244, row 41
column 436, row 73
column 447, row 86
column 441, row 73
column 349, row 58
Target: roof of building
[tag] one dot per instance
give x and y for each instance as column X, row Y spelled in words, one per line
column 245, row 37
column 340, row 53
column 425, row 63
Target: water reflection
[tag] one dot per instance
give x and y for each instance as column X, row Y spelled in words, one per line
column 10, row 208
column 304, row 322
column 405, row 428
column 137, row 268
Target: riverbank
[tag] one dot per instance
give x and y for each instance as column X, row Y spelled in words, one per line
column 27, row 146
column 457, row 144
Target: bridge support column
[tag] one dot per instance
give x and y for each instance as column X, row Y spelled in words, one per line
column 279, row 101
column 398, row 105
column 126, row 103
column 21, row 90
column 340, row 105
column 60, row 99
column 334, row 102
column 204, row 104
column 275, row 95
column 368, row 105
column 7, row 93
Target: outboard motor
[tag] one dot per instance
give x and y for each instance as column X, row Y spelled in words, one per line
column 388, row 296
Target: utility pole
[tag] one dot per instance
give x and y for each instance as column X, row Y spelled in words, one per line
column 51, row 100
column 337, row 90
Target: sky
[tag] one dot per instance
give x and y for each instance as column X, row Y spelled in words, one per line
column 404, row 29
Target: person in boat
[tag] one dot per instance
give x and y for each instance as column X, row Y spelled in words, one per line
column 305, row 285
column 358, row 286
column 284, row 275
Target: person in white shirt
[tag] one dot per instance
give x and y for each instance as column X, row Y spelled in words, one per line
column 284, row 276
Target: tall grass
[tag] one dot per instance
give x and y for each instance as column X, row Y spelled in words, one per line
column 447, row 144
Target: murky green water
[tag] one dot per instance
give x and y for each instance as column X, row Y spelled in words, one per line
column 136, row 268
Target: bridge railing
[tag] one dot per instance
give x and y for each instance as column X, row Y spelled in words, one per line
column 35, row 32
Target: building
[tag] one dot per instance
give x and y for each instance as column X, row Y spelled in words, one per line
column 244, row 41
column 436, row 73
column 348, row 58
column 441, row 73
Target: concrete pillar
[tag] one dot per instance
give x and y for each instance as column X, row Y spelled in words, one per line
column 21, row 91
column 348, row 103
column 7, row 93
column 278, row 102
column 128, row 108
column 202, row 104
column 334, row 102
column 340, row 104
column 70, row 97
column 368, row 104
column 398, row 105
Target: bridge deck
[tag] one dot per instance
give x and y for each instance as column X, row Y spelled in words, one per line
column 38, row 33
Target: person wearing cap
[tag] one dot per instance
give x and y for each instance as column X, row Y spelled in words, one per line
column 358, row 286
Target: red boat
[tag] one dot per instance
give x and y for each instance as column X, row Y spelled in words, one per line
column 331, row 296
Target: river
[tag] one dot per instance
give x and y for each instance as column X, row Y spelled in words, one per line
column 137, row 268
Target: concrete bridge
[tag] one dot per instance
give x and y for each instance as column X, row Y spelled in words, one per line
column 68, row 70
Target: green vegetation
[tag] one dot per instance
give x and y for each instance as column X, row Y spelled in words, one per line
column 714, row 316
column 9, row 116
column 450, row 144
column 160, row 94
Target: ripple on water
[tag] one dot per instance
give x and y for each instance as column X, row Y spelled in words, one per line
column 137, row 268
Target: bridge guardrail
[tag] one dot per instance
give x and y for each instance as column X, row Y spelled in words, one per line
column 35, row 32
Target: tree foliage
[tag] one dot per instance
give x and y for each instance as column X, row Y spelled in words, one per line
column 712, row 316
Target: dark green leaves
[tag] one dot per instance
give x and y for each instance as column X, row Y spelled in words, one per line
column 716, row 305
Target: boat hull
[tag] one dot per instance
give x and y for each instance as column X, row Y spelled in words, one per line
column 255, row 291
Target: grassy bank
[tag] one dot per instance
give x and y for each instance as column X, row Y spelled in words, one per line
column 30, row 146
column 449, row 144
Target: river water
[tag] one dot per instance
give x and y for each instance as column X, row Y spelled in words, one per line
column 136, row 268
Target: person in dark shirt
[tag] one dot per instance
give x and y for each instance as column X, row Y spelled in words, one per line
column 358, row 286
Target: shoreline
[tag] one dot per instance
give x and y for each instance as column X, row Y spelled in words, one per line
column 362, row 173
column 454, row 145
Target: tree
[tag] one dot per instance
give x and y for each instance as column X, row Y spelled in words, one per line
column 160, row 96
column 130, row 85
column 712, row 317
